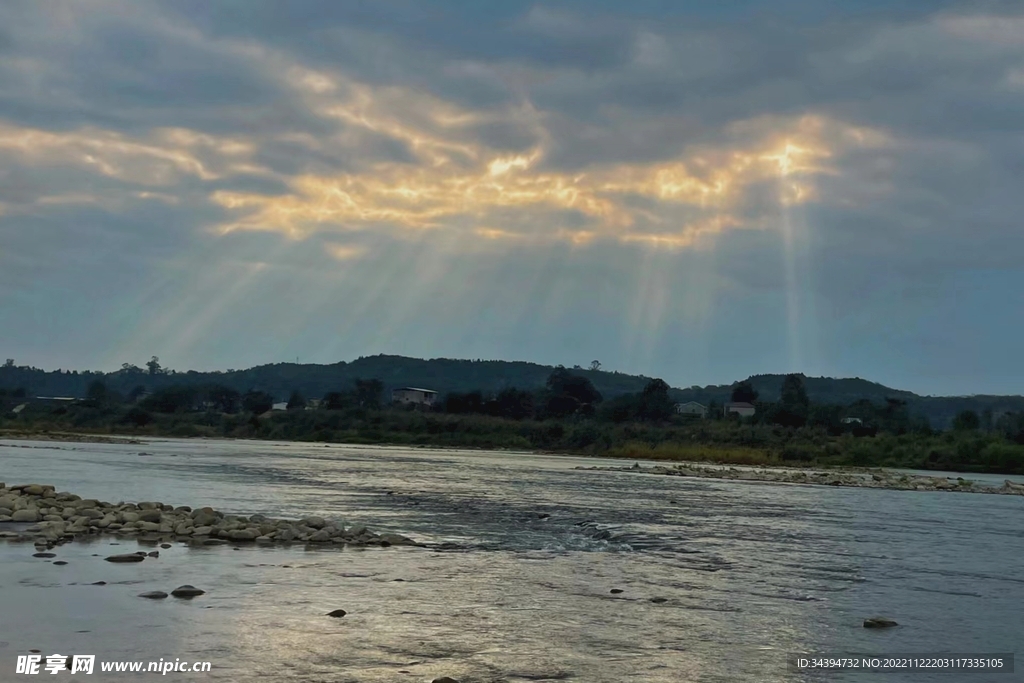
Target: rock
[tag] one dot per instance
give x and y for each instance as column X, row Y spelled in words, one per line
column 396, row 539
column 165, row 546
column 444, row 679
column 25, row 515
column 314, row 522
column 187, row 591
column 243, row 535
column 126, row 558
column 322, row 536
column 202, row 531
column 658, row 601
column 615, row 591
column 153, row 595
column 155, row 553
column 44, row 555
column 338, row 613
column 879, row 622
column 98, row 583
column 215, row 541
column 32, row 489
column 60, row 563
column 151, row 516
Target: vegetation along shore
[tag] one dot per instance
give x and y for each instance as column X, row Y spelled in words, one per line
column 567, row 414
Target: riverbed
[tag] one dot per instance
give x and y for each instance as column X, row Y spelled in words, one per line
column 719, row 580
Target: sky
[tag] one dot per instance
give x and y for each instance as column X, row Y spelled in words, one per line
column 688, row 190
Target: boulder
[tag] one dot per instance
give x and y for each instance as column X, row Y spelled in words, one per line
column 126, row 558
column 26, row 515
column 322, row 536
column 879, row 622
column 153, row 595
column 314, row 522
column 151, row 516
column 187, row 591
column 444, row 679
column 337, row 614
column 396, row 539
column 243, row 535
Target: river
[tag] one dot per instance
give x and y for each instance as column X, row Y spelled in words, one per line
column 516, row 584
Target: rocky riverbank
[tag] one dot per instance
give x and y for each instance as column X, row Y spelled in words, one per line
column 880, row 479
column 59, row 517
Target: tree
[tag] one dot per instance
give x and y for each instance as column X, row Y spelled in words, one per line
column 97, row 391
column 137, row 416
column 595, row 365
column 966, row 420
column 136, row 393
column 369, row 392
column 655, row 404
column 173, row 399
column 743, row 392
column 794, row 394
column 257, row 402
column 334, row 400
column 567, row 394
column 154, row 366
column 224, row 399
column 511, row 403
column 9, row 363
column 472, row 402
column 793, row 406
column 296, row 401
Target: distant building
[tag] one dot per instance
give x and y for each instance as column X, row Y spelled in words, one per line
column 740, row 408
column 280, row 405
column 414, row 396
column 852, row 421
column 692, row 408
column 313, row 404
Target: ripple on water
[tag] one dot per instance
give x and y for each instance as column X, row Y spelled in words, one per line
column 516, row 584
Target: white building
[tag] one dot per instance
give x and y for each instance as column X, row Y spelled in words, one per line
column 414, row 396
column 692, row 408
column 740, row 408
column 280, row 405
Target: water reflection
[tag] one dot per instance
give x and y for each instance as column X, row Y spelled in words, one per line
column 742, row 573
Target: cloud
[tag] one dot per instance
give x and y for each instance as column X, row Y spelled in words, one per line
column 822, row 159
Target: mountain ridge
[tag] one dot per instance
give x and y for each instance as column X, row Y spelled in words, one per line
column 446, row 375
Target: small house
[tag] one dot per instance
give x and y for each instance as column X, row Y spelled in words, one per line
column 414, row 396
column 741, row 408
column 280, row 405
column 692, row 409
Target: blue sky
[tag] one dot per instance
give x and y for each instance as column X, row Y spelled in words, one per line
column 695, row 191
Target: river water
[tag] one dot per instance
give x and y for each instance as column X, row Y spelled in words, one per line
column 515, row 586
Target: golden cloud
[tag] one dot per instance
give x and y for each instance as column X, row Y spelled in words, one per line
column 457, row 180
column 439, row 191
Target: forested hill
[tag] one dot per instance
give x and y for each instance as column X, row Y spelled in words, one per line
column 450, row 375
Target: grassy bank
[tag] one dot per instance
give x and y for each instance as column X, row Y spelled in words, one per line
column 723, row 441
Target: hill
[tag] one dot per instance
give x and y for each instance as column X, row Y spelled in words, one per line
column 446, row 375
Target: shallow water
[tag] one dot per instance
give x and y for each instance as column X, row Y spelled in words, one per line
column 748, row 571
